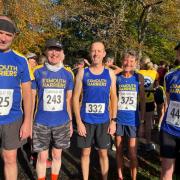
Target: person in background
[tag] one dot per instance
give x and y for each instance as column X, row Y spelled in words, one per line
column 150, row 76
column 42, row 59
column 80, row 63
column 160, row 99
column 32, row 60
column 109, row 62
column 162, row 70
column 15, row 85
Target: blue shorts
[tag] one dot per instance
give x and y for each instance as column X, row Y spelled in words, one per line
column 127, row 131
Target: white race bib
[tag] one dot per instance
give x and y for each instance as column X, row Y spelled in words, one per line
column 6, row 101
column 127, row 100
column 53, row 99
column 98, row 108
column 173, row 114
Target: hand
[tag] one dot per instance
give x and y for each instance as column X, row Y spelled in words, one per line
column 112, row 128
column 81, row 129
column 25, row 130
column 71, row 129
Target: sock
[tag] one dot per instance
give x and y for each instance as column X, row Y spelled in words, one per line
column 54, row 176
column 41, row 178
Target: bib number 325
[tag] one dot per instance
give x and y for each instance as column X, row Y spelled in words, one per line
column 6, row 100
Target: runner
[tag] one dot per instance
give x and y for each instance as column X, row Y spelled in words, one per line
column 98, row 84
column 53, row 119
column 150, row 76
column 130, row 86
column 15, row 84
column 170, row 128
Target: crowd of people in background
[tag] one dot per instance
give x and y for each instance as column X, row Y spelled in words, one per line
column 108, row 102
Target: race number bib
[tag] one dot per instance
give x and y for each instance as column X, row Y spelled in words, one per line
column 53, row 99
column 173, row 114
column 6, row 100
column 127, row 101
column 98, row 108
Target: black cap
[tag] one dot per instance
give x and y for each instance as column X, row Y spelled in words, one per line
column 53, row 43
column 177, row 47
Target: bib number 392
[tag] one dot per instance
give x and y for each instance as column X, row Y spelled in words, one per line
column 6, row 100
column 53, row 99
column 95, row 108
column 173, row 114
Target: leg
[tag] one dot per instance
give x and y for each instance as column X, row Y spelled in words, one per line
column 167, row 168
column 41, row 164
column 56, row 162
column 10, row 164
column 148, row 125
column 133, row 157
column 119, row 155
column 85, row 160
column 161, row 112
column 104, row 163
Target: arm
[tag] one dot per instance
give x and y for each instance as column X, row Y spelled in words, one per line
column 113, row 103
column 87, row 62
column 27, row 102
column 69, row 109
column 167, row 100
column 116, row 69
column 76, row 102
column 33, row 108
column 142, row 97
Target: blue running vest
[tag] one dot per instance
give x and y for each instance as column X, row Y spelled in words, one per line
column 128, row 91
column 171, row 120
column 96, row 94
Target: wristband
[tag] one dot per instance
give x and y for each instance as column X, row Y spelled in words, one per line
column 114, row 119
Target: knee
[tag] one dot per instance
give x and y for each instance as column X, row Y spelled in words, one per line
column 42, row 157
column 103, row 154
column 133, row 157
column 166, row 171
column 9, row 158
column 85, row 153
column 56, row 156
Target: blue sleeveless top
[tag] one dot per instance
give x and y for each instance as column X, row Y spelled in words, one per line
column 171, row 120
column 96, row 92
column 128, row 90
